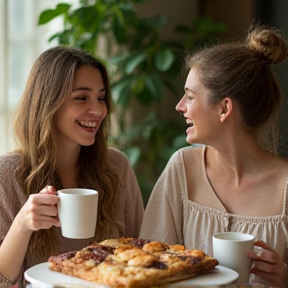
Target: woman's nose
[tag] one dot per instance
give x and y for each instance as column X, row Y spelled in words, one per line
column 180, row 107
column 96, row 109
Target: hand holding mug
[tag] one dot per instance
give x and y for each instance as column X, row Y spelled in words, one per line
column 40, row 211
column 268, row 265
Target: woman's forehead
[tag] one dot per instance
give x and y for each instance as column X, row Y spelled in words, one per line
column 193, row 80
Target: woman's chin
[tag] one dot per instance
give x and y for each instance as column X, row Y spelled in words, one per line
column 190, row 140
column 87, row 143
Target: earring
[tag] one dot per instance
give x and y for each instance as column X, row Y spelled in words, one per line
column 222, row 117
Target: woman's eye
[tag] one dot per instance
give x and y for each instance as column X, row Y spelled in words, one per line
column 101, row 98
column 189, row 97
column 81, row 98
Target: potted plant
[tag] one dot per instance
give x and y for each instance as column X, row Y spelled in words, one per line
column 143, row 67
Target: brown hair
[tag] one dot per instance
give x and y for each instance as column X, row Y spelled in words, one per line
column 49, row 84
column 243, row 72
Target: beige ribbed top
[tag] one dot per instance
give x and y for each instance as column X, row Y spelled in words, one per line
column 176, row 219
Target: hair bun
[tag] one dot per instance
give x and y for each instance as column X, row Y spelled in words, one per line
column 268, row 43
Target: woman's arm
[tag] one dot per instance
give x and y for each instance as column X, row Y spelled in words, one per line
column 13, row 250
column 130, row 203
column 39, row 212
column 163, row 217
column 134, row 209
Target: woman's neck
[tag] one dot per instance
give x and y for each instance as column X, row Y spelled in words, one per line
column 237, row 160
column 67, row 167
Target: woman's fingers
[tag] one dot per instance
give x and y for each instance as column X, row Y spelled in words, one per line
column 43, row 198
column 272, row 279
column 43, row 222
column 40, row 210
column 263, row 245
column 264, row 255
column 268, row 264
column 45, row 208
column 49, row 190
column 275, row 280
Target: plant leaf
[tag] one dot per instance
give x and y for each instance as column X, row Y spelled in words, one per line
column 133, row 153
column 118, row 27
column 118, row 58
column 120, row 91
column 49, row 14
column 87, row 18
column 154, row 84
column 63, row 7
column 125, row 96
column 164, row 59
column 134, row 61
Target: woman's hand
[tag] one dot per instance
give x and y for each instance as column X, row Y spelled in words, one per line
column 268, row 265
column 40, row 211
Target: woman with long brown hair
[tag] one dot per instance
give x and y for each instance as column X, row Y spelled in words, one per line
column 61, row 128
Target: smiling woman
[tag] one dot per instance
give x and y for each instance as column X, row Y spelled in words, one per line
column 61, row 128
column 227, row 184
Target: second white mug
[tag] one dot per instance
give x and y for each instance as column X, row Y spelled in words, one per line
column 230, row 249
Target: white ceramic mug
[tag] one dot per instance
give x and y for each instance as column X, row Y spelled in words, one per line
column 77, row 212
column 230, row 249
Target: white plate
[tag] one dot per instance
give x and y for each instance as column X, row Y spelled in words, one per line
column 40, row 276
column 218, row 276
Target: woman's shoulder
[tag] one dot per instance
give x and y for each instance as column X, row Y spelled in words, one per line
column 117, row 158
column 9, row 160
column 192, row 151
column 115, row 154
column 120, row 164
column 8, row 165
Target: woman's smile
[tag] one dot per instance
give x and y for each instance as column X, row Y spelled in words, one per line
column 80, row 116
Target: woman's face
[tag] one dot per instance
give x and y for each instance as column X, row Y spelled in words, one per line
column 199, row 114
column 80, row 116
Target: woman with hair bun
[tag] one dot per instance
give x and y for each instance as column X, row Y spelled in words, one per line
column 61, row 128
column 234, row 181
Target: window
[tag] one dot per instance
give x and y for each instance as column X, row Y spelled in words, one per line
column 22, row 41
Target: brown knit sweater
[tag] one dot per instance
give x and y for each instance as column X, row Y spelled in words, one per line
column 130, row 208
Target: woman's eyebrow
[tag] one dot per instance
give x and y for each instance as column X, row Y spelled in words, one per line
column 87, row 89
column 188, row 90
column 82, row 88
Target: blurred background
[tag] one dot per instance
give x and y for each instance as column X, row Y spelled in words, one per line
column 143, row 43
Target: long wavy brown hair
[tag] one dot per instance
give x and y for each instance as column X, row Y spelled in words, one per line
column 49, row 84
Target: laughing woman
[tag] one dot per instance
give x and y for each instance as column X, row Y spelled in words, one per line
column 233, row 182
column 61, row 130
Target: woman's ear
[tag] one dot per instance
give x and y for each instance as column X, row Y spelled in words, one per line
column 225, row 109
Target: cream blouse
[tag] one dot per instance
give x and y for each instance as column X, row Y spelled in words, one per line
column 171, row 217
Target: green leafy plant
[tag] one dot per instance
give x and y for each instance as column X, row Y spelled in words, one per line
column 143, row 67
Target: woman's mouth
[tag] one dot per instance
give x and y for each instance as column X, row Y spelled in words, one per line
column 87, row 124
column 189, row 122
